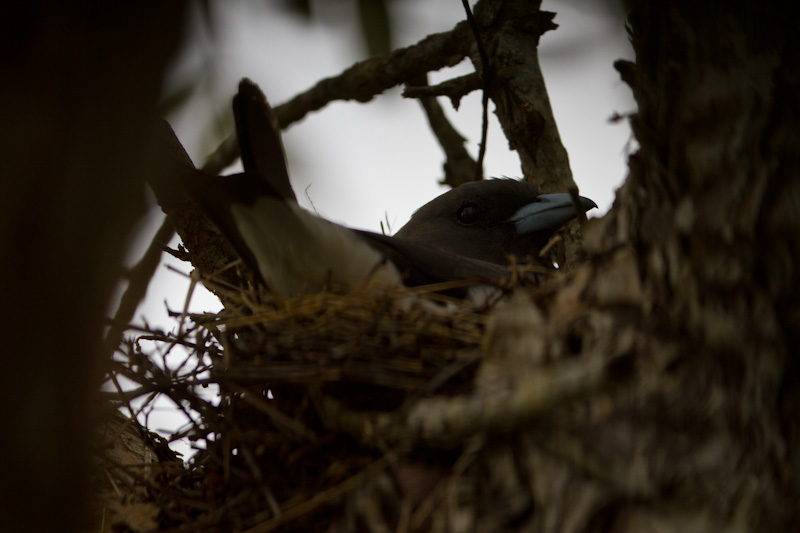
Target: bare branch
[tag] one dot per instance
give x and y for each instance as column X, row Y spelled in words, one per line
column 443, row 422
column 518, row 90
column 368, row 78
column 455, row 89
column 363, row 81
column 459, row 167
column 138, row 280
column 485, row 70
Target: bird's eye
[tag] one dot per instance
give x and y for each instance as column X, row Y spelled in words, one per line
column 469, row 213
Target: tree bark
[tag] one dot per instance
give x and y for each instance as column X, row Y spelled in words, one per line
column 693, row 282
column 653, row 387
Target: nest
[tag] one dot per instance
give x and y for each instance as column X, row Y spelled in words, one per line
column 301, row 412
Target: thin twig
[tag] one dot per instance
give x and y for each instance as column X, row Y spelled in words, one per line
column 442, row 422
column 459, row 167
column 371, row 77
column 455, row 89
column 138, row 280
column 361, row 82
column 322, row 498
column 485, row 71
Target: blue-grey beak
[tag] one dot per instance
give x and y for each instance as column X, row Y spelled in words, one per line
column 548, row 212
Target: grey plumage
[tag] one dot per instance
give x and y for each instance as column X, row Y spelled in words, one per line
column 490, row 219
column 463, row 234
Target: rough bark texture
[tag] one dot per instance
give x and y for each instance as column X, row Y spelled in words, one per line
column 693, row 283
column 653, row 388
column 689, row 306
column 511, row 32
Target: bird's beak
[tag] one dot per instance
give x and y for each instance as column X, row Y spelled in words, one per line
column 548, row 212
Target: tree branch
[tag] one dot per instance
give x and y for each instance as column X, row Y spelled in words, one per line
column 455, row 89
column 138, row 280
column 368, row 78
column 517, row 88
column 512, row 401
column 459, row 167
column 365, row 80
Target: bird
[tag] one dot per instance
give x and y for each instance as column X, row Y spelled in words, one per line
column 463, row 234
column 490, row 219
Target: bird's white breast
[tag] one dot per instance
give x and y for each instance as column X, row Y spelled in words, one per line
column 300, row 253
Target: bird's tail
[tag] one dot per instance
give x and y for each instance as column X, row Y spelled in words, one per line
column 259, row 135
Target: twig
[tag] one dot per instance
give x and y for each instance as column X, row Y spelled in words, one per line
column 361, row 82
column 138, row 279
column 140, row 275
column 455, row 88
column 443, row 422
column 428, row 506
column 281, row 420
column 323, row 497
column 269, row 497
column 485, row 75
column 368, row 78
column 459, row 167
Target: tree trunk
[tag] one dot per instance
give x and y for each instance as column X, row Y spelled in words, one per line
column 79, row 94
column 692, row 283
column 653, row 387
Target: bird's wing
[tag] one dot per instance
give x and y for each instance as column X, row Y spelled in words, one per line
column 420, row 264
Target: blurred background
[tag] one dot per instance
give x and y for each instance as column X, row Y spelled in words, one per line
column 366, row 164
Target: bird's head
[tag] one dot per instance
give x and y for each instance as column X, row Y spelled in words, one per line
column 489, row 219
